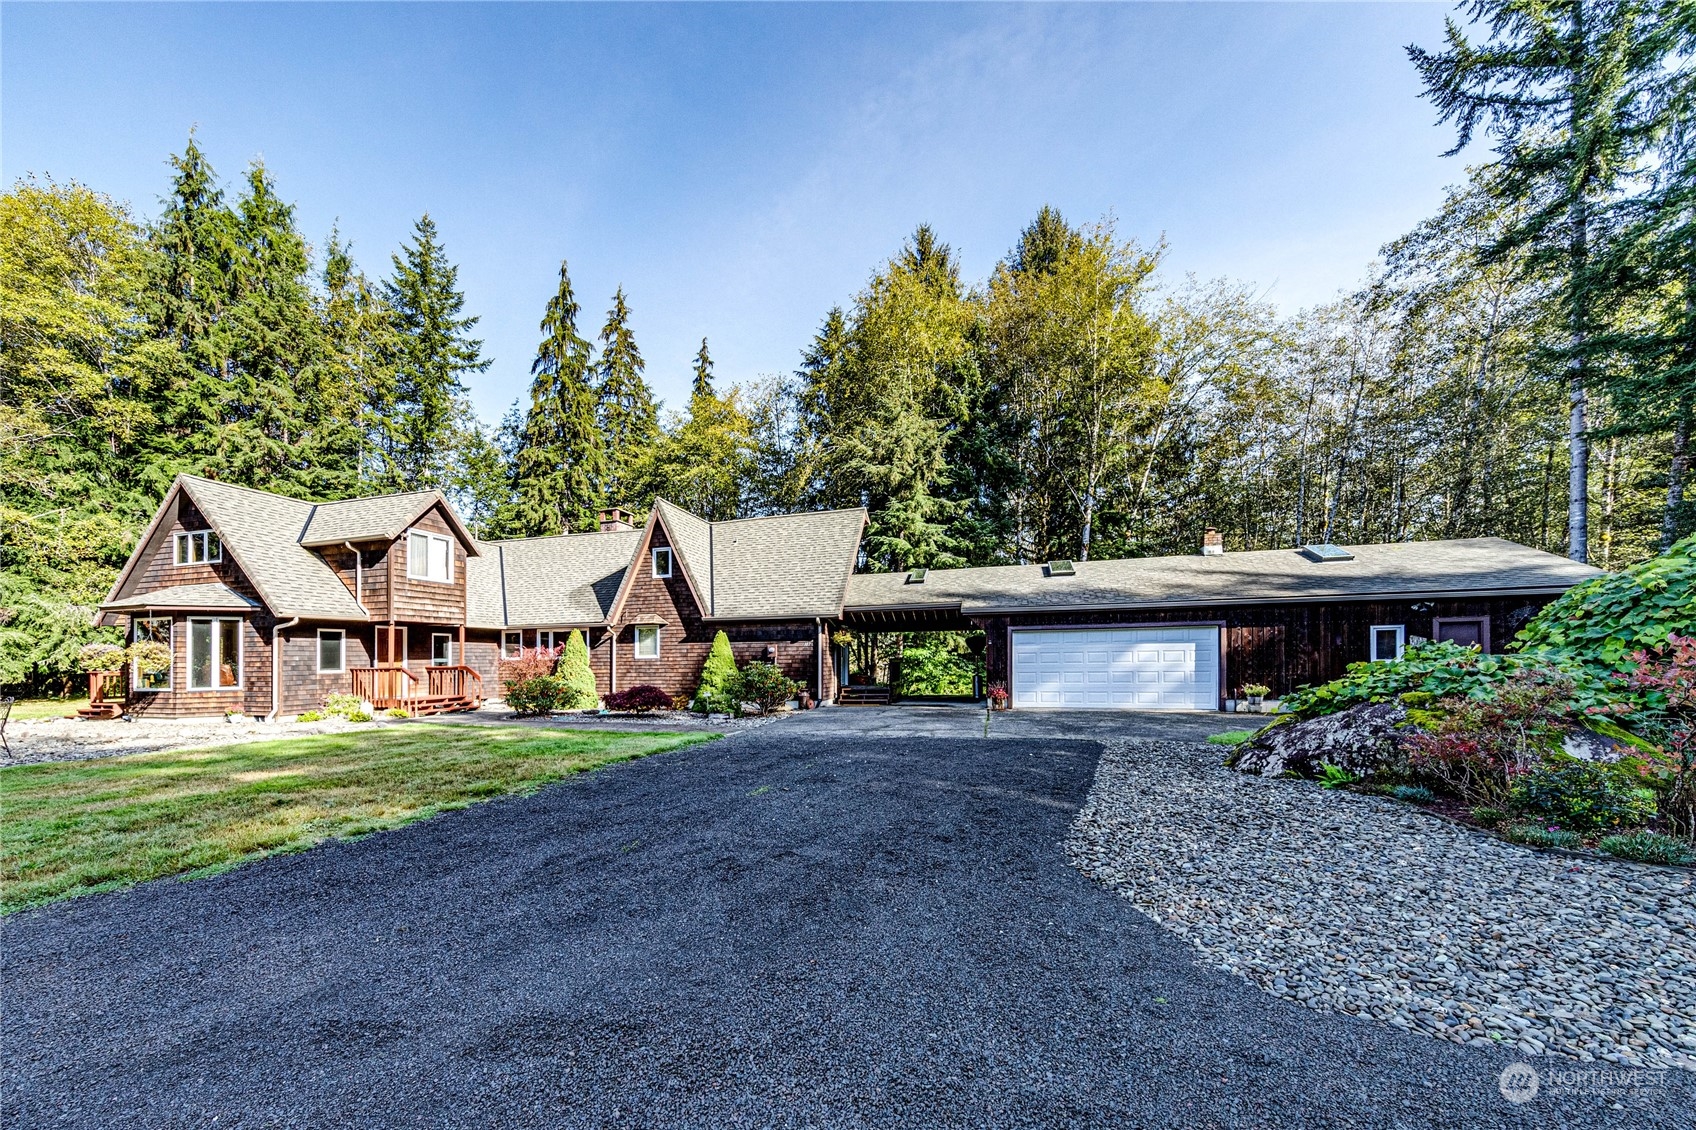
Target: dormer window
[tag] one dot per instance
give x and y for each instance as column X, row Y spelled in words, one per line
column 199, row 547
column 662, row 562
column 429, row 557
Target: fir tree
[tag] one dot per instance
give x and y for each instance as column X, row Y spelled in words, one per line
column 629, row 419
column 435, row 350
column 359, row 364
column 703, row 372
column 561, row 460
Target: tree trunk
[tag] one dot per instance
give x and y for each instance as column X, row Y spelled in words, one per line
column 1578, row 266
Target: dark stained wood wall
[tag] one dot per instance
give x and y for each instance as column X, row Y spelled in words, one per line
column 303, row 687
column 428, row 602
column 253, row 697
column 1287, row 646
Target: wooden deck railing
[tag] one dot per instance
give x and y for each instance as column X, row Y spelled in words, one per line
column 105, row 686
column 387, row 687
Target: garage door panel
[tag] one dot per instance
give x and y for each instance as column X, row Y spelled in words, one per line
column 1168, row 668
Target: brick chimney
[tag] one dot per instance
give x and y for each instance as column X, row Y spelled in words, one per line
column 1212, row 543
column 617, row 518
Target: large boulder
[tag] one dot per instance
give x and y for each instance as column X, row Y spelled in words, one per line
column 1364, row 740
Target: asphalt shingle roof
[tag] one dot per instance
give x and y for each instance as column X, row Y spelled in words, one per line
column 1402, row 569
column 212, row 597
column 560, row 581
column 381, row 518
column 787, row 565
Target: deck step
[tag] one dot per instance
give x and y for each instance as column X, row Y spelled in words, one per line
column 441, row 704
column 100, row 710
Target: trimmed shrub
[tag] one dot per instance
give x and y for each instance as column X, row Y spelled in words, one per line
column 1413, row 794
column 398, row 712
column 1649, row 847
column 533, row 697
column 639, row 699
column 766, row 686
column 579, row 680
column 346, row 706
column 311, row 716
column 1582, row 796
column 720, row 681
column 1534, row 836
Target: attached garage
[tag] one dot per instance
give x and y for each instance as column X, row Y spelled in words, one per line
column 1154, row 668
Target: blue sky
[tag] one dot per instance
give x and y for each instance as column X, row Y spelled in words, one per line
column 739, row 169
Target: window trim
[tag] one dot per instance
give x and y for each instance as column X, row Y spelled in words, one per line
column 517, row 636
column 1483, row 623
column 217, row 653
column 318, row 659
column 182, row 552
column 552, row 642
column 636, row 641
column 670, row 561
column 434, row 636
column 410, row 557
column 1372, row 641
column 170, row 641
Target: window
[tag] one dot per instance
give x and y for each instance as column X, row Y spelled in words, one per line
column 662, row 562
column 647, row 643
column 214, row 654
column 154, row 631
column 429, row 557
column 512, row 643
column 1467, row 631
column 200, row 547
column 1387, row 641
column 545, row 640
column 332, row 653
column 441, row 650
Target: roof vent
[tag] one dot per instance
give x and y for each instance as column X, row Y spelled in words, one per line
column 1325, row 551
column 1062, row 568
column 916, row 576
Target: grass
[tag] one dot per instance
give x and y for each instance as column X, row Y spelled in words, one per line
column 75, row 828
column 1232, row 737
column 35, row 709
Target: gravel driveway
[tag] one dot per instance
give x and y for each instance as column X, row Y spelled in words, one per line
column 760, row 931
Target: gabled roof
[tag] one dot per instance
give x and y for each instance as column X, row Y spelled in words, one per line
column 209, row 597
column 380, row 518
column 1403, row 570
column 569, row 580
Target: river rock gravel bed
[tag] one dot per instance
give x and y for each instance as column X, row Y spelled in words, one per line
column 1366, row 906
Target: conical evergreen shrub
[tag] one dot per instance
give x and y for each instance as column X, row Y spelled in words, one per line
column 580, row 692
column 720, row 681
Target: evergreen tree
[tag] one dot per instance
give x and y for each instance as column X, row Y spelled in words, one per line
column 1562, row 84
column 358, row 366
column 705, row 463
column 562, row 459
column 629, row 418
column 703, row 372
column 576, row 674
column 434, row 351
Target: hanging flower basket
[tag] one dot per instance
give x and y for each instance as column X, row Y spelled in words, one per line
column 100, row 658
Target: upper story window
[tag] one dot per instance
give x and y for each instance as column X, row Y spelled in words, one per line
column 200, row 547
column 429, row 557
column 662, row 562
column 1387, row 641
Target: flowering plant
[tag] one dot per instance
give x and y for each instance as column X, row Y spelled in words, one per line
column 998, row 693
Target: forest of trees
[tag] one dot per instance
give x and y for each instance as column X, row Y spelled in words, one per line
column 1522, row 364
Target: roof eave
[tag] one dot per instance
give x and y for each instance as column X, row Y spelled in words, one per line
column 1216, row 602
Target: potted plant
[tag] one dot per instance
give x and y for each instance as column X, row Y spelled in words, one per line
column 999, row 699
column 1256, row 694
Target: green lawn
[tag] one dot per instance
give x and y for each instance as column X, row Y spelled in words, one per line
column 73, row 828
column 33, row 709
column 1232, row 737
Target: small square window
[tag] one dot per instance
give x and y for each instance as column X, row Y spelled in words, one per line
column 331, row 645
column 662, row 562
column 1387, row 641
column 512, row 643
column 647, row 643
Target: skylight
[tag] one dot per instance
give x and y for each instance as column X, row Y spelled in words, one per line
column 916, row 576
column 1325, row 551
column 1061, row 568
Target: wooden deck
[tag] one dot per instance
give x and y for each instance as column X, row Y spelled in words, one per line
column 442, row 690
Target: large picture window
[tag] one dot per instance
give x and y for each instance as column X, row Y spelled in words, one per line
column 332, row 651
column 152, row 631
column 429, row 557
column 214, row 655
column 201, row 547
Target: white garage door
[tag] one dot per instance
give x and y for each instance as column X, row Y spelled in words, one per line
column 1174, row 668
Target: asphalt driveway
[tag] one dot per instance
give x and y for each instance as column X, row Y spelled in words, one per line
column 767, row 930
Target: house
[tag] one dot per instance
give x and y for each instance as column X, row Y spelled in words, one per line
column 271, row 604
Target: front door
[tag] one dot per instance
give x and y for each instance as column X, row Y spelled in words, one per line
column 391, row 646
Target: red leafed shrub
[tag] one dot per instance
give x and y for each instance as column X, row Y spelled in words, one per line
column 1478, row 748
column 640, row 699
column 532, row 663
column 1668, row 675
